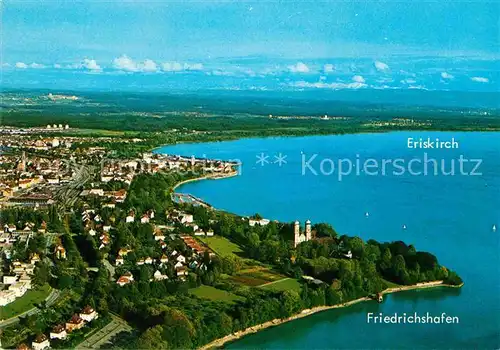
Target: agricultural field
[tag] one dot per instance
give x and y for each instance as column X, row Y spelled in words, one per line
column 282, row 285
column 222, row 246
column 208, row 292
column 255, row 276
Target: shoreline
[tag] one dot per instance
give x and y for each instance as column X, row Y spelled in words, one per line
column 308, row 312
column 218, row 343
column 205, row 177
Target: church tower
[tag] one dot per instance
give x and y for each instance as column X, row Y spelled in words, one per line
column 296, row 233
column 308, row 230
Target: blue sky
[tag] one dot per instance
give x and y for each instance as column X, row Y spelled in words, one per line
column 306, row 44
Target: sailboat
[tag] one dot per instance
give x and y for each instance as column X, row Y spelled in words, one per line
column 367, row 214
column 494, row 228
column 404, row 227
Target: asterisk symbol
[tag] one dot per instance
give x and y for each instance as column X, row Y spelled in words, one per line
column 262, row 159
column 280, row 159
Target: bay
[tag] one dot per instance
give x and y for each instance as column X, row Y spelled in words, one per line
column 450, row 216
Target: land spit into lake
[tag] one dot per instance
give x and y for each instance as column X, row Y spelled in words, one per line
column 308, row 312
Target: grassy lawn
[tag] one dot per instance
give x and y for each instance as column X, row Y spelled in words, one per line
column 221, row 245
column 391, row 284
column 25, row 302
column 283, row 284
column 212, row 293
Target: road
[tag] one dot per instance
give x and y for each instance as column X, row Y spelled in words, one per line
column 51, row 298
column 105, row 334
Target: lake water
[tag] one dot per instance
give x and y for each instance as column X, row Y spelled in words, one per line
column 450, row 216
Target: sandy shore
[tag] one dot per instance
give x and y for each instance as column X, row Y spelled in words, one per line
column 307, row 312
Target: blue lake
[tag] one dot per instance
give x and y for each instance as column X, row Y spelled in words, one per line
column 451, row 216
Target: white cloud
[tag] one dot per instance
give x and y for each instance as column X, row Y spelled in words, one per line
column 5, row 64
column 445, row 75
column 90, row 65
column 21, row 65
column 125, row 63
column 36, row 65
column 328, row 68
column 358, row 79
column 172, row 67
column 381, row 66
column 480, row 79
column 299, row 67
column 334, row 86
column 148, row 66
column 193, row 66
column 179, row 67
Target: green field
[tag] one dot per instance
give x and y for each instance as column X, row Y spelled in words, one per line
column 283, row 284
column 208, row 292
column 222, row 246
column 255, row 276
column 24, row 303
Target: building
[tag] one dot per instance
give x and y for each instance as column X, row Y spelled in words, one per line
column 41, row 342
column 60, row 252
column 125, row 279
column 158, row 276
column 7, row 297
column 181, row 271
column 58, row 332
column 187, row 218
column 9, row 279
column 89, row 314
column 299, row 237
column 76, row 322
column 130, row 217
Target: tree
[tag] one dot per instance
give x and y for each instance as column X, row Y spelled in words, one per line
column 42, row 274
column 152, row 339
column 291, row 302
column 324, row 230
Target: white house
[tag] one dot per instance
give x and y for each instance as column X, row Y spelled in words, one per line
column 119, row 261
column 19, row 289
column 182, row 271
column 41, row 342
column 181, row 258
column 125, row 279
column 158, row 276
column 210, row 233
column 148, row 260
column 7, row 297
column 58, row 332
column 145, row 219
column 130, row 217
column 199, row 233
column 186, row 218
column 178, row 264
column 9, row 279
column 89, row 314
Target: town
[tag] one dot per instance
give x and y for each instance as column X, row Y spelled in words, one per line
column 99, row 249
column 42, row 173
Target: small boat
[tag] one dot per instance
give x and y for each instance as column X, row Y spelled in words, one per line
column 404, row 227
column 367, row 214
column 494, row 228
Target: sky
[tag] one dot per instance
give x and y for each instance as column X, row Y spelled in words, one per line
column 304, row 44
